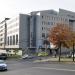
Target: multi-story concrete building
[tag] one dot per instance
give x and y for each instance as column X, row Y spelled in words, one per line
column 42, row 21
column 31, row 30
column 3, row 32
column 17, row 32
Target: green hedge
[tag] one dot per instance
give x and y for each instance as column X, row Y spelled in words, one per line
column 43, row 54
column 14, row 56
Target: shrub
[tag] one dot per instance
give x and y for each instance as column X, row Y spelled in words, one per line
column 43, row 54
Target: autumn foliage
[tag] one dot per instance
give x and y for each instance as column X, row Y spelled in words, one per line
column 62, row 33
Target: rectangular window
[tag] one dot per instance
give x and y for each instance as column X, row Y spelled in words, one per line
column 42, row 17
column 42, row 22
column 42, row 28
column 13, row 39
column 10, row 40
column 51, row 23
column 16, row 39
column 43, row 34
column 48, row 23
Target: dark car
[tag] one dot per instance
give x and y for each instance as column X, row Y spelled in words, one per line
column 3, row 56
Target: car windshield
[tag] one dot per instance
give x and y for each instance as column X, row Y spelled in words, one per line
column 1, row 61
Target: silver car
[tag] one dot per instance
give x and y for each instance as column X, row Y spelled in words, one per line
column 3, row 65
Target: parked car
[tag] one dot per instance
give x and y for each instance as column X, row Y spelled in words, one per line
column 3, row 65
column 26, row 56
column 3, row 56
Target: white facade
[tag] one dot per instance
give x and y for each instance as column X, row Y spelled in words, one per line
column 17, row 30
column 2, row 35
column 3, row 32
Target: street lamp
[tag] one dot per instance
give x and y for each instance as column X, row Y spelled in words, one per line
column 59, row 50
column 73, row 50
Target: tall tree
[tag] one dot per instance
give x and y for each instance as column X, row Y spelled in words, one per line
column 61, row 33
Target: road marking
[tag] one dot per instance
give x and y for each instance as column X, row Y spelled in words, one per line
column 54, row 69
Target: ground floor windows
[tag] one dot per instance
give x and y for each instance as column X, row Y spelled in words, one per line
column 12, row 40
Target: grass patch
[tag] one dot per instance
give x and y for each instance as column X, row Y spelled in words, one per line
column 14, row 56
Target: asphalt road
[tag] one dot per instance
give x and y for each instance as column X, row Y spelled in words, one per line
column 30, row 68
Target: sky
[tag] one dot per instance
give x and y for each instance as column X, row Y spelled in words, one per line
column 9, row 8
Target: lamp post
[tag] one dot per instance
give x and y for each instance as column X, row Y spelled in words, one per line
column 73, row 50
column 59, row 50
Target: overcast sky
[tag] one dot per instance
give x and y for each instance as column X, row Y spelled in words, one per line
column 9, row 8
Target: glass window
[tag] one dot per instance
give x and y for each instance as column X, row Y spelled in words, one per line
column 43, row 34
column 10, row 40
column 42, row 17
column 51, row 23
column 16, row 39
column 48, row 23
column 42, row 28
column 13, row 39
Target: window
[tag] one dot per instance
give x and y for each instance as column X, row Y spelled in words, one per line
column 1, row 39
column 1, row 30
column 43, row 34
column 61, row 19
column 1, row 34
column 66, row 20
column 44, row 22
column 42, row 17
column 51, row 23
column 8, row 40
column 13, row 39
column 42, row 28
column 52, row 18
column 48, row 23
column 16, row 39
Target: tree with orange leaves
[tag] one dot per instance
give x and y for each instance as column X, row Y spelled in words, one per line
column 62, row 33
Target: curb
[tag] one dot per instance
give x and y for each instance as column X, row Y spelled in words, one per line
column 54, row 62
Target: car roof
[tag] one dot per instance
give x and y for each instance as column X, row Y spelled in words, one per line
column 1, row 60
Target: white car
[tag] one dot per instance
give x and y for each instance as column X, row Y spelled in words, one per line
column 26, row 56
column 3, row 65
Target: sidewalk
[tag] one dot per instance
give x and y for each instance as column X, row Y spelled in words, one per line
column 55, row 60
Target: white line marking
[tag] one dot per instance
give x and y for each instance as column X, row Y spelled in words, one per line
column 54, row 69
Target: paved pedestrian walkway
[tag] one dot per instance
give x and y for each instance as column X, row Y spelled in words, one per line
column 55, row 60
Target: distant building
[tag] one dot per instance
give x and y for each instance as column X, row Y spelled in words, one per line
column 42, row 21
column 3, row 32
column 30, row 30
